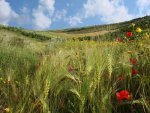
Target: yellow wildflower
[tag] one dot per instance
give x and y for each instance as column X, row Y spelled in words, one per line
column 138, row 30
column 133, row 24
column 7, row 110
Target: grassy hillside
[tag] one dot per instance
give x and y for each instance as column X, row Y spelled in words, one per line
column 144, row 22
column 97, row 69
column 96, row 31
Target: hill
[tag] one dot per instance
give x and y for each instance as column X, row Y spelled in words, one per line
column 97, row 32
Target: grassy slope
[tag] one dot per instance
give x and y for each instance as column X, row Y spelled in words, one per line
column 10, row 38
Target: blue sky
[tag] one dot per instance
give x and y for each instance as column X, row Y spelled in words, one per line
column 59, row 14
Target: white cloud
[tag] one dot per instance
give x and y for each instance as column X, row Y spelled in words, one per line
column 98, row 7
column 42, row 15
column 60, row 15
column 109, row 11
column 6, row 13
column 47, row 5
column 75, row 20
column 41, row 21
column 24, row 17
column 143, row 3
column 143, row 6
column 120, row 14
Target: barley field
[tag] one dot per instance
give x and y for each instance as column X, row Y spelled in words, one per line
column 40, row 74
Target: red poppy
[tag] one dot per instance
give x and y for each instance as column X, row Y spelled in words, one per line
column 129, row 34
column 123, row 95
column 133, row 61
column 119, row 40
column 70, row 68
column 134, row 72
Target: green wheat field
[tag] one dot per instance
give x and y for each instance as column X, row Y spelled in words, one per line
column 95, row 69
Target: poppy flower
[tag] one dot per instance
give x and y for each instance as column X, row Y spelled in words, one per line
column 134, row 72
column 138, row 30
column 70, row 68
column 133, row 61
column 119, row 40
column 129, row 34
column 123, row 95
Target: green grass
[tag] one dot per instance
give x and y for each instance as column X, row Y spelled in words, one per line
column 35, row 78
column 41, row 83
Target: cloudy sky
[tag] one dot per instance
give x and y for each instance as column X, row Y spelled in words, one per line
column 58, row 14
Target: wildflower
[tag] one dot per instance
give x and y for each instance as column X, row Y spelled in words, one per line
column 119, row 40
column 134, row 72
column 7, row 110
column 133, row 24
column 129, row 34
column 138, row 30
column 123, row 95
column 133, row 61
column 70, row 68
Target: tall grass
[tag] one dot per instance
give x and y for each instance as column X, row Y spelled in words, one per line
column 40, row 82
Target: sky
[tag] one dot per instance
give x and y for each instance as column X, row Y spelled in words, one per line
column 60, row 14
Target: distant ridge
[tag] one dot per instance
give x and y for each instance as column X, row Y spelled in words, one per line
column 83, row 33
column 138, row 21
